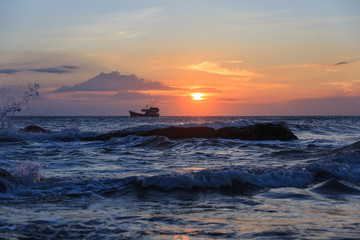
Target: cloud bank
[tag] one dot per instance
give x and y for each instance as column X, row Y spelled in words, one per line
column 115, row 81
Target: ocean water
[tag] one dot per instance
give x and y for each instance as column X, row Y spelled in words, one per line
column 155, row 188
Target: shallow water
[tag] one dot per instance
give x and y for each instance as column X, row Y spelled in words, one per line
column 156, row 188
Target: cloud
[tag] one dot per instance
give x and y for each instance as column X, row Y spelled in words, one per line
column 341, row 63
column 234, row 61
column 205, row 90
column 8, row 71
column 115, row 81
column 70, row 67
column 225, row 99
column 333, row 70
column 349, row 88
column 320, row 66
column 346, row 62
column 214, row 67
column 110, row 27
column 57, row 70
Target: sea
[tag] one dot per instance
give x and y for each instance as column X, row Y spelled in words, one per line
column 137, row 187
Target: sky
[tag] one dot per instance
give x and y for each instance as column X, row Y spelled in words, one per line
column 190, row 58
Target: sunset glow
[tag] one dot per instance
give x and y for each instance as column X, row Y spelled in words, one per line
column 283, row 58
column 191, row 119
column 197, row 96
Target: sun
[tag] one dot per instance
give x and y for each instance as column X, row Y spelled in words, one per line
column 197, row 96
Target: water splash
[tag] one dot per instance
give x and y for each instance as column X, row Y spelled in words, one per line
column 17, row 99
column 28, row 172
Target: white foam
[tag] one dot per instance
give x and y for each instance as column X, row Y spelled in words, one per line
column 27, row 172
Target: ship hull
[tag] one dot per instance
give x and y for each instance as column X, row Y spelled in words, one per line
column 135, row 114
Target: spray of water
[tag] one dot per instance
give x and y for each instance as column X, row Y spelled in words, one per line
column 28, row 172
column 16, row 99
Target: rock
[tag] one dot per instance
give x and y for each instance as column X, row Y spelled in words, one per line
column 180, row 132
column 34, row 129
column 6, row 179
column 257, row 132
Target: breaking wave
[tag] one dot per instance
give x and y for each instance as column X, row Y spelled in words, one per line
column 323, row 176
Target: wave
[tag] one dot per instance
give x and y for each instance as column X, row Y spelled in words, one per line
column 335, row 187
column 69, row 134
column 323, row 176
column 241, row 180
column 341, row 164
column 298, row 176
column 212, row 124
column 26, row 173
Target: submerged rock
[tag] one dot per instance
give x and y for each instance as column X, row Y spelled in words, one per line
column 34, row 129
column 257, row 132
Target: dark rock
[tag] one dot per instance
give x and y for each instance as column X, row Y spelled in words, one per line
column 180, row 132
column 257, row 132
column 34, row 129
column 6, row 179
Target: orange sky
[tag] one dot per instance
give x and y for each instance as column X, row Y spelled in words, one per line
column 245, row 57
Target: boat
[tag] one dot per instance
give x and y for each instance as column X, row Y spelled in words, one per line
column 148, row 112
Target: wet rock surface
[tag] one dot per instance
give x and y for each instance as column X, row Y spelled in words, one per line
column 34, row 129
column 257, row 132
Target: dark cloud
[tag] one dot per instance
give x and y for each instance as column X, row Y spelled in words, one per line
column 347, row 62
column 116, row 82
column 70, row 67
column 9, row 71
column 341, row 63
column 57, row 70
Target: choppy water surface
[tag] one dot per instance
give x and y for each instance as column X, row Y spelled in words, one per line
column 156, row 188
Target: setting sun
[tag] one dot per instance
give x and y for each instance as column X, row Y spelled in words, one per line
column 197, row 96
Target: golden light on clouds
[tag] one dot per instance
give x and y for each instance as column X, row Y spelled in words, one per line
column 216, row 68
